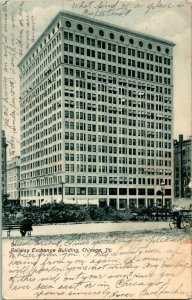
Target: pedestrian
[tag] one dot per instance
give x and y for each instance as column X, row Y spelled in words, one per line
column 177, row 216
column 26, row 225
column 165, row 210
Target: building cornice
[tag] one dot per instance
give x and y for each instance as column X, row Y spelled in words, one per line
column 117, row 28
column 107, row 25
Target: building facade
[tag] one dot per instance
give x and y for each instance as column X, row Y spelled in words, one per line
column 183, row 167
column 13, row 179
column 3, row 164
column 96, row 115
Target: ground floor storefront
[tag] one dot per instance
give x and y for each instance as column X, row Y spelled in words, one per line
column 112, row 201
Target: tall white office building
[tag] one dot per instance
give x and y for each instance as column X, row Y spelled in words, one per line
column 96, row 115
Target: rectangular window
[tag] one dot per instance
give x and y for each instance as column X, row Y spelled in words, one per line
column 112, row 191
column 141, row 191
column 132, row 191
column 102, row 191
column 69, row 191
column 122, row 191
column 81, row 191
column 92, row 191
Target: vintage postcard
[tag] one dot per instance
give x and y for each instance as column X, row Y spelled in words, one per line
column 96, row 149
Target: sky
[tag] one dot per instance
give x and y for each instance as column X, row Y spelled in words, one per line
column 26, row 20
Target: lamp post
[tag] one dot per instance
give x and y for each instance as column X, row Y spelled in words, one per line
column 62, row 184
column 38, row 197
column 162, row 189
column 39, row 200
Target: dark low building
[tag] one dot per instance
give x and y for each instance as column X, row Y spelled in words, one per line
column 3, row 165
column 182, row 167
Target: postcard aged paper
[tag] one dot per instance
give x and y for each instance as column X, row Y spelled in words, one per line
column 119, row 265
column 108, row 260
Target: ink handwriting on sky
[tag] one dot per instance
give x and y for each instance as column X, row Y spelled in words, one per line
column 18, row 34
column 121, row 8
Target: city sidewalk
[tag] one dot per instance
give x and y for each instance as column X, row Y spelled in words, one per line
column 76, row 228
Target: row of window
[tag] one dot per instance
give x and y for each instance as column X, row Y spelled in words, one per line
column 140, row 96
column 111, row 57
column 28, row 66
column 112, row 139
column 90, row 53
column 120, row 204
column 132, row 151
column 82, row 105
column 41, row 172
column 102, row 118
column 100, row 147
column 112, row 168
column 101, row 44
column 95, row 191
column 80, row 50
column 100, row 138
column 114, row 80
column 92, row 170
column 117, row 110
column 120, row 120
column 132, row 142
column 70, row 156
column 39, row 152
column 93, row 179
column 28, row 112
column 68, row 35
column 112, row 69
column 120, row 180
column 29, row 129
column 83, row 159
column 93, row 76
column 113, row 47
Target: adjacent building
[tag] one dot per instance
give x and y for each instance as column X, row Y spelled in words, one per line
column 13, row 179
column 3, row 165
column 96, row 115
column 183, row 167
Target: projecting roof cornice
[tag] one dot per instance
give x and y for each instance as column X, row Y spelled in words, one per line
column 98, row 23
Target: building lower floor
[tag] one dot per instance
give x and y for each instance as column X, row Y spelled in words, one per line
column 115, row 201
